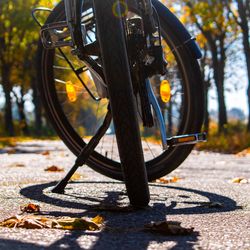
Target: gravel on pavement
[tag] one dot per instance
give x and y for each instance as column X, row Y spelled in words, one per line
column 205, row 179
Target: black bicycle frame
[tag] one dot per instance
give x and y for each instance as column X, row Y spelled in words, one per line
column 73, row 9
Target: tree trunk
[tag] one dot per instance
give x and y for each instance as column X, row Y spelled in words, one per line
column 22, row 118
column 8, row 119
column 222, row 110
column 244, row 13
column 248, row 95
column 246, row 45
column 219, row 77
column 38, row 108
column 206, row 118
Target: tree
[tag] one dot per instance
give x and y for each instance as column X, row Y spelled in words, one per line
column 240, row 11
column 18, row 34
column 211, row 19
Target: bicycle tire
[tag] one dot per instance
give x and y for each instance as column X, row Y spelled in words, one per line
column 114, row 57
column 191, row 121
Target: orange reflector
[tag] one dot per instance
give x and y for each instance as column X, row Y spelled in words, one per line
column 71, row 91
column 186, row 139
column 165, row 91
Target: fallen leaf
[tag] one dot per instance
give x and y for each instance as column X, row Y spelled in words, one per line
column 54, row 169
column 98, row 220
column 28, row 222
column 168, row 228
column 39, row 222
column 17, row 165
column 45, row 153
column 75, row 224
column 30, row 208
column 11, row 151
column 168, row 180
column 244, row 153
column 240, row 180
column 212, row 205
column 76, row 177
column 114, row 208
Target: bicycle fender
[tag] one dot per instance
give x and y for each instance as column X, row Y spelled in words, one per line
column 181, row 32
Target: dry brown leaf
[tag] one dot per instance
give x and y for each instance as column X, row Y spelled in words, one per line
column 168, row 180
column 17, row 165
column 168, row 228
column 45, row 153
column 28, row 222
column 11, row 151
column 54, row 169
column 240, row 180
column 114, row 208
column 39, row 222
column 30, row 208
column 244, row 153
column 212, row 204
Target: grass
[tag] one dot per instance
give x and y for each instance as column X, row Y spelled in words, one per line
column 235, row 141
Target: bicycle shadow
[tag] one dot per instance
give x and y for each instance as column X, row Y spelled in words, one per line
column 124, row 225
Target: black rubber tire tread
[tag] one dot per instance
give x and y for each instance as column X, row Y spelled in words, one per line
column 111, row 37
column 194, row 91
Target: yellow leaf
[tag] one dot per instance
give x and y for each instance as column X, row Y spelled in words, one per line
column 98, row 220
column 39, row 222
column 76, row 224
column 76, row 177
column 240, row 180
column 168, row 180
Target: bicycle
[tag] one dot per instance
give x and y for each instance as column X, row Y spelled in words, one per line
column 131, row 67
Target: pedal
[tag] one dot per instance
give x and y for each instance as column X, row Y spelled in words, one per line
column 182, row 140
column 56, row 35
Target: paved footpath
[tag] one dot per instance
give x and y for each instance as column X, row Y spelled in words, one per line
column 205, row 178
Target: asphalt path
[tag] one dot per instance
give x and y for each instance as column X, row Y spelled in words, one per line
column 205, row 179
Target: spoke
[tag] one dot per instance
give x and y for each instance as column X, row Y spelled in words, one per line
column 61, row 67
column 78, row 76
column 60, row 56
column 88, row 36
column 112, row 149
column 152, row 153
column 97, row 113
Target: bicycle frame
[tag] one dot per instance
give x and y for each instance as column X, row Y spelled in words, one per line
column 73, row 9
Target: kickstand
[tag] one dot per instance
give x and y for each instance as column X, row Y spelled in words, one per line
column 85, row 153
